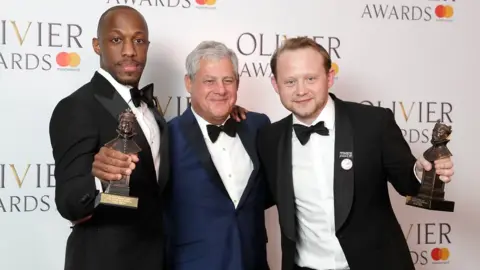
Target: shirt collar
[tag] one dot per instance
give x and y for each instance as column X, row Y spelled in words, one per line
column 327, row 115
column 123, row 90
column 203, row 123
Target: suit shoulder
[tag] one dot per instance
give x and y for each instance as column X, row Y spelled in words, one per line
column 82, row 96
column 79, row 97
column 78, row 107
column 174, row 121
column 367, row 111
column 258, row 118
column 274, row 129
column 83, row 92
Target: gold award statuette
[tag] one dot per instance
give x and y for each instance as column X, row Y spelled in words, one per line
column 117, row 193
column 431, row 194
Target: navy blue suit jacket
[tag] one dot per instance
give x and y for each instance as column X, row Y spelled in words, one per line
column 206, row 230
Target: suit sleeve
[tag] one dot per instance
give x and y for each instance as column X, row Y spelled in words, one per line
column 397, row 157
column 269, row 200
column 74, row 140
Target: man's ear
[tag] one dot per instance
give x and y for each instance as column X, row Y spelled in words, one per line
column 330, row 77
column 274, row 83
column 96, row 45
column 238, row 82
column 188, row 83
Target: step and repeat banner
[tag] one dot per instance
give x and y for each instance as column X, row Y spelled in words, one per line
column 417, row 57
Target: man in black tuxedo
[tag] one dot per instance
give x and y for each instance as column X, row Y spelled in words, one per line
column 328, row 164
column 115, row 238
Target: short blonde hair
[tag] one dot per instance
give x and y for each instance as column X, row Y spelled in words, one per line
column 297, row 44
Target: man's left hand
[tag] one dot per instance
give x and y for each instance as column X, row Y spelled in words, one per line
column 239, row 113
column 443, row 167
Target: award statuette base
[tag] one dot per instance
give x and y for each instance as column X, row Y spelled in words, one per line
column 431, row 194
column 117, row 195
column 431, row 204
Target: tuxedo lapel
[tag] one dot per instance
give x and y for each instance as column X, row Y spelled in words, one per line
column 344, row 154
column 286, row 197
column 164, row 169
column 195, row 138
column 111, row 100
column 248, row 140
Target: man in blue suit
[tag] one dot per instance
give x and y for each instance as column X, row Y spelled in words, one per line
column 218, row 194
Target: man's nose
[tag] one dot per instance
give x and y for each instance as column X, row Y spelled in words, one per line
column 128, row 49
column 220, row 88
column 301, row 89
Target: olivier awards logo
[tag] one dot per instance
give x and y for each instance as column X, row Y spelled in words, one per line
column 256, row 49
column 429, row 243
column 30, row 45
column 415, row 118
column 27, row 188
column 425, row 11
column 172, row 106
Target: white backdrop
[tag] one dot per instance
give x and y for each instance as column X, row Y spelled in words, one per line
column 392, row 53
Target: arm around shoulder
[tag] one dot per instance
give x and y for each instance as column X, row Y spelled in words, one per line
column 265, row 120
column 74, row 140
column 397, row 158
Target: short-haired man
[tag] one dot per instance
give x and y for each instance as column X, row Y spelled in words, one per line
column 217, row 195
column 328, row 164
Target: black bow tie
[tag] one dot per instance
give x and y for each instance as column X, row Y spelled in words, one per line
column 229, row 128
column 303, row 132
column 145, row 95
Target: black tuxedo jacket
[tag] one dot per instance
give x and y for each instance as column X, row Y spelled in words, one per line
column 366, row 226
column 114, row 238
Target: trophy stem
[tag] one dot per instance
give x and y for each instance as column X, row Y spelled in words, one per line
column 124, row 145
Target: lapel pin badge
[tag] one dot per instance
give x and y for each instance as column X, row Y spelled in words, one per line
column 347, row 164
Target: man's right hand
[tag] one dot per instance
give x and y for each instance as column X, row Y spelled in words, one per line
column 111, row 165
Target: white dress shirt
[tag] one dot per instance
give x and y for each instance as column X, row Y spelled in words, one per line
column 145, row 120
column 312, row 168
column 230, row 159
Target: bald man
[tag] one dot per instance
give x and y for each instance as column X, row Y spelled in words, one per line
column 111, row 238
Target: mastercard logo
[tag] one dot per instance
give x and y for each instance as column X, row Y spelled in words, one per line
column 65, row 59
column 335, row 68
column 206, row 2
column 444, row 11
column 440, row 254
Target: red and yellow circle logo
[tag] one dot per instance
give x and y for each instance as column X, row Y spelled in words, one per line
column 440, row 254
column 206, row 2
column 444, row 11
column 335, row 68
column 65, row 59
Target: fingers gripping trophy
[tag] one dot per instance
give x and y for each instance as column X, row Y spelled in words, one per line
column 431, row 194
column 117, row 193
